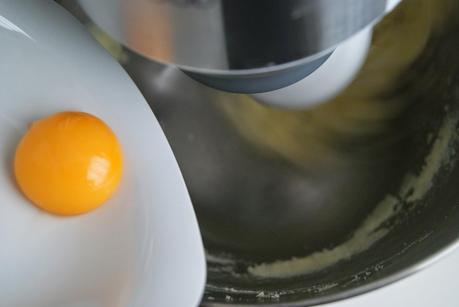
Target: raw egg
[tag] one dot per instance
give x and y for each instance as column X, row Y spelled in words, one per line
column 68, row 163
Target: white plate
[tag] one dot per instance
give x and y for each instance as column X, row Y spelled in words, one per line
column 141, row 249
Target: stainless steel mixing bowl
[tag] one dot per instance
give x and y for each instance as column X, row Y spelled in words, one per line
column 269, row 185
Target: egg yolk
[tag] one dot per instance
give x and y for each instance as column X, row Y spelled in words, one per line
column 68, row 163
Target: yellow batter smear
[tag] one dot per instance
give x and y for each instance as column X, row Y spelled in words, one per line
column 414, row 188
column 421, row 184
column 310, row 137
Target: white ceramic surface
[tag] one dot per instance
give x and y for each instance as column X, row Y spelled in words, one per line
column 391, row 4
column 143, row 248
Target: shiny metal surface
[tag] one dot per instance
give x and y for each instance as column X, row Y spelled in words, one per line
column 271, row 184
column 232, row 36
column 259, row 83
column 258, row 201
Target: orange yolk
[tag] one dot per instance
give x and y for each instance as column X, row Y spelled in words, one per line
column 68, row 163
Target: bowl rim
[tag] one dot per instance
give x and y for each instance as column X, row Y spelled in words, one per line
column 399, row 275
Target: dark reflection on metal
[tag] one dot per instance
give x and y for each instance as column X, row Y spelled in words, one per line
column 270, row 184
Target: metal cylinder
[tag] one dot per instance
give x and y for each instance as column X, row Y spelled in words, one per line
column 221, row 37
